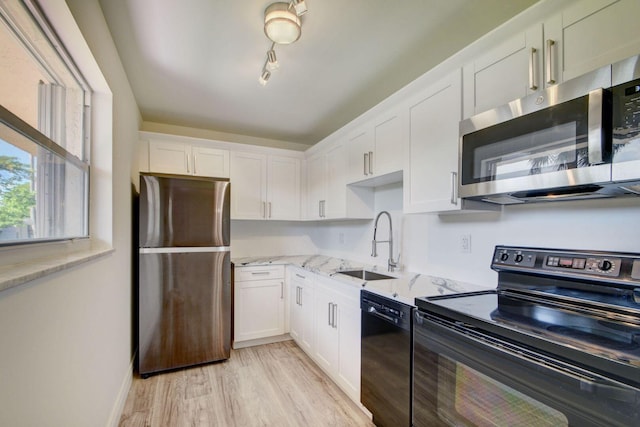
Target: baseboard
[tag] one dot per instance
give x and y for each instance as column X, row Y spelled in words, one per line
column 261, row 341
column 125, row 386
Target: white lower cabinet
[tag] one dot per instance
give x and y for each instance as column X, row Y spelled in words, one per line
column 301, row 308
column 325, row 323
column 259, row 302
column 337, row 345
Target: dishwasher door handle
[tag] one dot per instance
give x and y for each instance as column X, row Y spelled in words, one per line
column 373, row 311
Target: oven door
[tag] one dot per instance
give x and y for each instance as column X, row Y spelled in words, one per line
column 465, row 378
column 560, row 139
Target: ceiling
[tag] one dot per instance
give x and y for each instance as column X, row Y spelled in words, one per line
column 196, row 63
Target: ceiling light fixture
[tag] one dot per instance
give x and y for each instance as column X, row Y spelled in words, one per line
column 282, row 25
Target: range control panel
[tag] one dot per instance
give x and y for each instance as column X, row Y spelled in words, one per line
column 606, row 266
column 617, row 266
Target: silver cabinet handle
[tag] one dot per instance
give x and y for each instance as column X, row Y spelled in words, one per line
column 264, row 209
column 550, row 68
column 454, row 188
column 594, row 127
column 259, row 273
column 370, row 162
column 188, row 158
column 281, row 290
column 366, row 163
column 298, row 295
column 329, row 313
column 532, row 69
column 195, row 157
column 320, row 208
column 334, row 322
column 324, row 209
column 300, row 276
column 269, row 203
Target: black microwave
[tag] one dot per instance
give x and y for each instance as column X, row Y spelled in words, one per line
column 559, row 144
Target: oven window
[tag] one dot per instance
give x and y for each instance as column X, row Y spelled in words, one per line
column 468, row 398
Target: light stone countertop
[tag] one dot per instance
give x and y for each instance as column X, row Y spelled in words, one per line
column 405, row 286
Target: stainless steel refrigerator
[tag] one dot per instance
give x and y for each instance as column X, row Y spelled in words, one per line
column 184, row 293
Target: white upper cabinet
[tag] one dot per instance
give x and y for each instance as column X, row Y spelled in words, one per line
column 431, row 162
column 316, row 185
column 509, row 71
column 283, row 187
column 593, row 34
column 175, row 157
column 328, row 196
column 584, row 36
column 376, row 148
column 265, row 186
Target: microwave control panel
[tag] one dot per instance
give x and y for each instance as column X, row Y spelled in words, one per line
column 626, row 110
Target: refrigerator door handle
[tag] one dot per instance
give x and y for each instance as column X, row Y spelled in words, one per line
column 177, row 250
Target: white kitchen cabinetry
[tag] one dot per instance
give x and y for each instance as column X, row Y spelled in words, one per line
column 301, row 314
column 591, row 34
column 509, row 71
column 328, row 196
column 376, row 149
column 431, row 172
column 584, row 36
column 337, row 345
column 259, row 302
column 183, row 158
column 265, row 186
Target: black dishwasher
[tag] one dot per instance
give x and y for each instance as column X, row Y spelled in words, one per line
column 386, row 370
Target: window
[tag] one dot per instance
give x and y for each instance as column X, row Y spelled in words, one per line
column 44, row 128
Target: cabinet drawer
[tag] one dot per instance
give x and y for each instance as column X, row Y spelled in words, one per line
column 259, row 273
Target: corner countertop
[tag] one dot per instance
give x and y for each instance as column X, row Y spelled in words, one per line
column 404, row 287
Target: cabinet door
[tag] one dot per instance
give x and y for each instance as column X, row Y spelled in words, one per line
column 283, row 188
column 316, row 185
column 259, row 309
column 389, row 143
column 211, row 162
column 169, row 157
column 301, row 313
column 326, row 351
column 598, row 32
column 360, row 151
column 349, row 323
column 432, row 155
column 509, row 71
column 336, row 195
column 248, row 185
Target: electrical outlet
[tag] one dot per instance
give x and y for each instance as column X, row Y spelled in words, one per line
column 465, row 243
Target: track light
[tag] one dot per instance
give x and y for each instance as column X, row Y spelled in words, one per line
column 264, row 77
column 282, row 25
column 300, row 7
column 272, row 61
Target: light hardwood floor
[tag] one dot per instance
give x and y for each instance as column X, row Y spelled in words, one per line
column 268, row 385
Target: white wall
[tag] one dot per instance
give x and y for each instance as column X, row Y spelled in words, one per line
column 66, row 339
column 260, row 238
column 430, row 243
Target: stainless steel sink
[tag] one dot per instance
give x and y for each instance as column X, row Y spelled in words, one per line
column 365, row 275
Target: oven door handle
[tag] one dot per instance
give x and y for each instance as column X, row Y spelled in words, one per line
column 587, row 384
column 373, row 311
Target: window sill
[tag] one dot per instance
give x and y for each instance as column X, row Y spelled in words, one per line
column 12, row 275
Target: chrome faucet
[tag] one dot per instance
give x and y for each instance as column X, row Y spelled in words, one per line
column 374, row 243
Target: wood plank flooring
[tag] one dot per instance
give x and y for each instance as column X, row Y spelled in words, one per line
column 268, row 385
